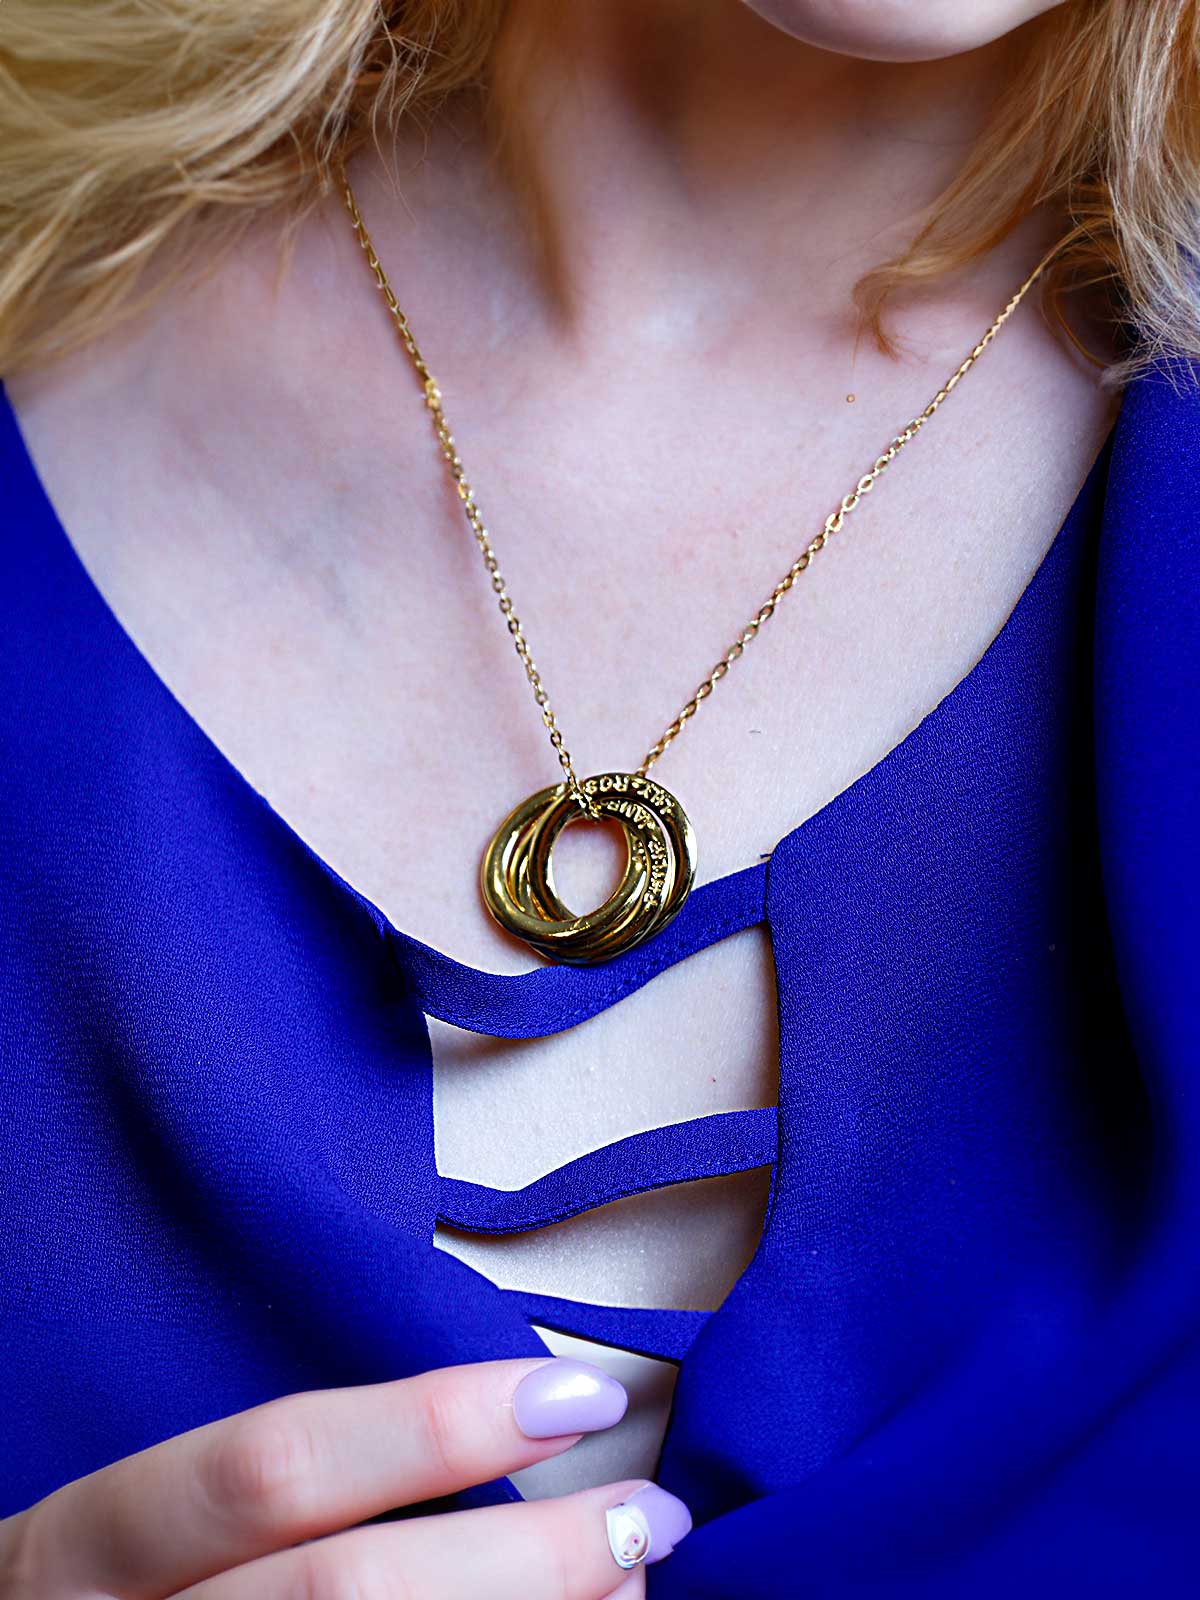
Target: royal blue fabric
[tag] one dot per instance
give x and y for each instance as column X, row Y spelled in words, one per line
column 533, row 1004
column 704, row 1147
column 964, row 1356
column 669, row 1334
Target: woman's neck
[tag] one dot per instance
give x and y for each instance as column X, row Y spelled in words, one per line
column 672, row 163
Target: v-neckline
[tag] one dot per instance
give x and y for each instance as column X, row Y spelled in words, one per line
column 445, row 975
column 542, row 986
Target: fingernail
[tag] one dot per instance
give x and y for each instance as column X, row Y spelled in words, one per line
column 647, row 1526
column 565, row 1396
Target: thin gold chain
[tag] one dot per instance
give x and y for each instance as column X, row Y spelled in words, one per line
column 833, row 522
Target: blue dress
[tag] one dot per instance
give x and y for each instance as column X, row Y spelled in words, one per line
column 965, row 1353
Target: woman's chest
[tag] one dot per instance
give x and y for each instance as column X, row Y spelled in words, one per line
column 341, row 646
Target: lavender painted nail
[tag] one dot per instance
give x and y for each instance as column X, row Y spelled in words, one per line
column 647, row 1526
column 566, row 1396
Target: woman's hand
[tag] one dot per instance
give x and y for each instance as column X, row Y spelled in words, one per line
column 264, row 1505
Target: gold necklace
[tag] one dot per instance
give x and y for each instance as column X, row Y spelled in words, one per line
column 515, row 875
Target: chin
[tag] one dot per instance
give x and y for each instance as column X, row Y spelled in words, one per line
column 899, row 30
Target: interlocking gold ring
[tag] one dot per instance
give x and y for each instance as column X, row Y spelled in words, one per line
column 518, row 881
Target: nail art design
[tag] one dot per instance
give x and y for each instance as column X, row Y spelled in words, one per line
column 647, row 1526
column 628, row 1535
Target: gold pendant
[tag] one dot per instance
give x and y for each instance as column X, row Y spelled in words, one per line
column 518, row 882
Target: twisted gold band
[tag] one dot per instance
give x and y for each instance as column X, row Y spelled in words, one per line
column 518, row 882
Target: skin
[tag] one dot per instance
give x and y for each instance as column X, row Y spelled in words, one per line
column 689, row 219
column 899, row 30
column 263, row 1506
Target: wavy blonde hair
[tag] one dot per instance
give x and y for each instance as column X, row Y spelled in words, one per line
column 128, row 125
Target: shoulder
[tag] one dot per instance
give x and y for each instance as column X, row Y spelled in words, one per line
column 36, row 592
column 1147, row 688
column 46, row 632
column 1156, row 447
column 1149, row 577
column 26, row 520
column 1148, row 580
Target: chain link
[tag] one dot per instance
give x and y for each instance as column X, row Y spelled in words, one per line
column 833, row 522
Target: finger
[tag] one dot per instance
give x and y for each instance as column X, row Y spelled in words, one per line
column 634, row 1587
column 532, row 1550
column 308, row 1465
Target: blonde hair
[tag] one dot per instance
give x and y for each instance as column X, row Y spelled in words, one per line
column 125, row 128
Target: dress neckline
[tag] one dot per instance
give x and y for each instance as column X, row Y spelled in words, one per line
column 545, row 998
column 548, row 998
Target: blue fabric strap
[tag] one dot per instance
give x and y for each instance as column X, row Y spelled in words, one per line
column 529, row 1005
column 704, row 1147
column 665, row 1334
